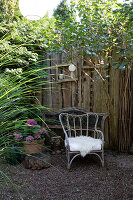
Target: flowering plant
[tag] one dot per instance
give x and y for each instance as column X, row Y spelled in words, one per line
column 29, row 132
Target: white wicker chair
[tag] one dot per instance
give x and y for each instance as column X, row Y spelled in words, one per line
column 81, row 125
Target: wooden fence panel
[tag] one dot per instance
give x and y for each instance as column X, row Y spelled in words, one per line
column 100, row 91
column 93, row 95
column 46, row 93
column 125, row 123
column 86, row 89
column 55, row 60
column 66, row 94
column 114, row 105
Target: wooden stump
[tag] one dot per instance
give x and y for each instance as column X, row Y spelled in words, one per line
column 37, row 161
column 56, row 144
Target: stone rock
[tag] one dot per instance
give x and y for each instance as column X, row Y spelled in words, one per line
column 37, row 161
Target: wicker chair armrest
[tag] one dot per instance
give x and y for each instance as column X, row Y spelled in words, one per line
column 67, row 141
column 101, row 134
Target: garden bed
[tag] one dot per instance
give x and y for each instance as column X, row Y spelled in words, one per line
column 86, row 180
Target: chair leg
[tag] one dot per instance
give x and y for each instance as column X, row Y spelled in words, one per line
column 102, row 158
column 68, row 160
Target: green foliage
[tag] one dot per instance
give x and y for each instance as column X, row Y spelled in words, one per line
column 22, row 46
column 7, row 9
column 27, row 40
column 29, row 131
column 12, row 155
column 17, row 94
column 103, row 31
column 63, row 12
column 22, row 72
column 17, row 102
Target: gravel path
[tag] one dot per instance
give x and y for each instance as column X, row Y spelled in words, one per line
column 86, row 180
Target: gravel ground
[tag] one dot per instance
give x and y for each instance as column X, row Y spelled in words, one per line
column 86, row 180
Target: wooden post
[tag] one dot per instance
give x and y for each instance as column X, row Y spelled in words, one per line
column 80, row 64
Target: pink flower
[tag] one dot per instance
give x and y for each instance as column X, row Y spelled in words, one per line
column 46, row 132
column 31, row 122
column 29, row 138
column 18, row 136
column 16, row 132
column 41, row 131
column 37, row 136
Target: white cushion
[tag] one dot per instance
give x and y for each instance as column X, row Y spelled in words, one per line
column 84, row 144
